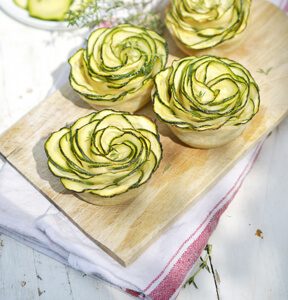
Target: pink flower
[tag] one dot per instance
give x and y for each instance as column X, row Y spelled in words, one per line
column 105, row 24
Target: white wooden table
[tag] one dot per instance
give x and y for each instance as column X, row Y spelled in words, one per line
column 245, row 266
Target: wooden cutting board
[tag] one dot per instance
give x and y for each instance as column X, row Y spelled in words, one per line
column 126, row 230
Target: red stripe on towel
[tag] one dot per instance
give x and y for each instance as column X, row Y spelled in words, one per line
column 174, row 279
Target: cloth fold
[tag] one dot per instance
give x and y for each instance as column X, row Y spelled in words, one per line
column 158, row 273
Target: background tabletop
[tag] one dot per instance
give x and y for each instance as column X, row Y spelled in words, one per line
column 243, row 264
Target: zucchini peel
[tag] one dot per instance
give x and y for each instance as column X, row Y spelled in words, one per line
column 206, row 101
column 105, row 157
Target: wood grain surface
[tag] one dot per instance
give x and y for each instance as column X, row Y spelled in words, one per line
column 124, row 231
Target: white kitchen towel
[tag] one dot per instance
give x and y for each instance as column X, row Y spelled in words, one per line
column 160, row 272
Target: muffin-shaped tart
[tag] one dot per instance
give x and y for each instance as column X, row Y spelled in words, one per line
column 105, row 157
column 202, row 24
column 207, row 101
column 117, row 68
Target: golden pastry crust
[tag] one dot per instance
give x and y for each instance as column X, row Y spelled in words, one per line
column 118, row 199
column 208, row 139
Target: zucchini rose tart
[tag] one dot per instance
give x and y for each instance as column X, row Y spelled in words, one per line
column 201, row 24
column 105, row 157
column 207, row 101
column 117, row 68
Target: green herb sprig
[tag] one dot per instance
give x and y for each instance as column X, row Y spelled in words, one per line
column 89, row 138
column 92, row 13
column 201, row 94
column 203, row 265
column 264, row 72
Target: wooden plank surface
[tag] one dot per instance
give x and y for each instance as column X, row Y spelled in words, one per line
column 124, row 231
column 41, row 277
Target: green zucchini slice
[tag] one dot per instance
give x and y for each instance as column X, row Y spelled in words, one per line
column 48, row 9
column 105, row 154
column 198, row 25
column 117, row 68
column 21, row 3
column 209, row 95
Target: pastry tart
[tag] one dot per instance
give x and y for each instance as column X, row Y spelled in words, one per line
column 202, row 24
column 105, row 157
column 207, row 101
column 117, row 68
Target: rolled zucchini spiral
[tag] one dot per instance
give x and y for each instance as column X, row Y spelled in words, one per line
column 106, row 156
column 206, row 100
column 202, row 24
column 117, row 68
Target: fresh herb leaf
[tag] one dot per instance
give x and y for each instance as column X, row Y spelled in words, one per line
column 201, row 94
column 90, row 135
column 264, row 72
column 195, row 285
column 167, row 167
